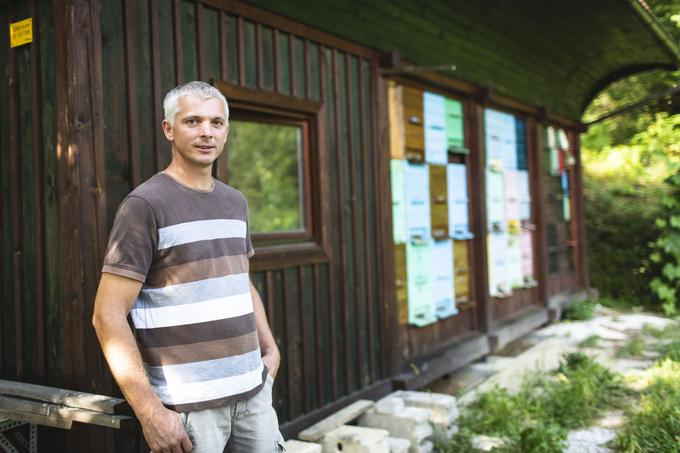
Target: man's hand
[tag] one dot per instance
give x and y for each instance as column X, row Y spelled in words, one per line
column 164, row 432
column 272, row 360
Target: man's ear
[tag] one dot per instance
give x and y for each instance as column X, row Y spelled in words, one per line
column 167, row 130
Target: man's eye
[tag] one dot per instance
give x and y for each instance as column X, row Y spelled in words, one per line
column 218, row 123
column 191, row 122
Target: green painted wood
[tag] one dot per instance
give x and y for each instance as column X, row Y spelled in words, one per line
column 28, row 213
column 314, row 74
column 143, row 86
column 115, row 108
column 300, row 86
column 250, row 52
column 267, row 46
column 284, row 63
column 546, row 55
column 229, row 24
column 51, row 196
column 211, row 44
column 189, row 48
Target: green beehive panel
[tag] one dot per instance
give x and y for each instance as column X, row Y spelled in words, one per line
column 455, row 135
column 398, row 202
column 420, row 308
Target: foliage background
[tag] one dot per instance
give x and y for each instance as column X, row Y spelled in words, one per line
column 627, row 160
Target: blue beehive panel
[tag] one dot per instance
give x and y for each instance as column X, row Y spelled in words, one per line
column 398, row 201
column 443, row 296
column 459, row 223
column 495, row 201
column 436, row 144
column 417, row 200
column 419, row 277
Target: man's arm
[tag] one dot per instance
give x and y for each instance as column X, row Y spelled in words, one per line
column 270, row 352
column 163, row 428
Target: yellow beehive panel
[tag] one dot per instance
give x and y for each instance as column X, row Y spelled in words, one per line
column 396, row 116
column 461, row 270
column 400, row 280
column 414, row 135
column 439, row 206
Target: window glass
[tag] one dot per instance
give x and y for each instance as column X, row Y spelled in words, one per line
column 265, row 163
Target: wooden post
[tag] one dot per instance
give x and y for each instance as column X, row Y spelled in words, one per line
column 535, row 149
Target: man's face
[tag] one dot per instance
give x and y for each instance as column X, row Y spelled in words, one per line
column 199, row 131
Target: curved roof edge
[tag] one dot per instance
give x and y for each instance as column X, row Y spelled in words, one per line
column 647, row 15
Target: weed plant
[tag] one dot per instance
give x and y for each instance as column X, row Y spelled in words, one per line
column 655, row 426
column 633, row 347
column 539, row 416
column 579, row 311
column 590, row 342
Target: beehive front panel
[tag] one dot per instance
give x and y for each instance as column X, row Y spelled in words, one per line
column 414, row 135
column 439, row 206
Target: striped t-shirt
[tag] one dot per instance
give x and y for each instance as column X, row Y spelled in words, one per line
column 193, row 318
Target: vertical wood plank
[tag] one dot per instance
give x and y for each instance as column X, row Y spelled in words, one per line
column 308, row 85
column 200, row 42
column 475, row 131
column 38, row 202
column 177, row 36
column 258, row 56
column 277, row 62
column 535, row 152
column 222, row 30
column 289, row 347
column 241, row 51
column 352, row 146
column 369, row 276
column 292, row 65
column 189, row 57
column 303, row 355
column 15, row 203
column 270, row 298
column 327, row 81
column 320, row 344
column 132, row 113
column 579, row 201
column 231, row 48
column 156, row 83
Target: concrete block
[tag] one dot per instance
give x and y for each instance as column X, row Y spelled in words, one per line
column 444, row 407
column 356, row 439
column 425, row 447
column 296, row 446
column 398, row 445
column 316, row 432
column 411, row 423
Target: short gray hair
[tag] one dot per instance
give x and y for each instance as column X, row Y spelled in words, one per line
column 195, row 88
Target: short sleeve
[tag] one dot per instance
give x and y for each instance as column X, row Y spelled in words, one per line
column 250, row 251
column 133, row 240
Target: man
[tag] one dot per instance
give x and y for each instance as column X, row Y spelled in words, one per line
column 200, row 372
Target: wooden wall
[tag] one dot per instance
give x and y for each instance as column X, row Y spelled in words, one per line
column 325, row 315
column 29, row 272
column 80, row 114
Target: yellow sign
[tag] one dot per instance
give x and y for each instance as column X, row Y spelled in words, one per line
column 21, row 32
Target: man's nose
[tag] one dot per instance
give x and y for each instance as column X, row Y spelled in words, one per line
column 206, row 129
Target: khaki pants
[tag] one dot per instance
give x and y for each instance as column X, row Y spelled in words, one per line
column 248, row 426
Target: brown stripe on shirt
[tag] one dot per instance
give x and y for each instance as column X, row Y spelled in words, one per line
column 200, row 250
column 196, row 270
column 197, row 332
column 199, row 352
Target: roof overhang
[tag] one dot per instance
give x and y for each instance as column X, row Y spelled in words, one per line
column 552, row 55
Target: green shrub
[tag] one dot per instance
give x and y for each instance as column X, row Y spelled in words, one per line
column 579, row 311
column 633, row 347
column 671, row 351
column 590, row 342
column 655, row 426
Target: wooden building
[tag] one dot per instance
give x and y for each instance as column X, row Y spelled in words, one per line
column 364, row 88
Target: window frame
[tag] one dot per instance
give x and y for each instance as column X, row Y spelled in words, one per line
column 275, row 250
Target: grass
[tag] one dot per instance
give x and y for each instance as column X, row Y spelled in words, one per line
column 538, row 418
column 590, row 342
column 633, row 347
column 579, row 311
column 655, row 425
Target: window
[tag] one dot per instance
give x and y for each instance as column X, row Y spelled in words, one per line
column 265, row 162
column 273, row 157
